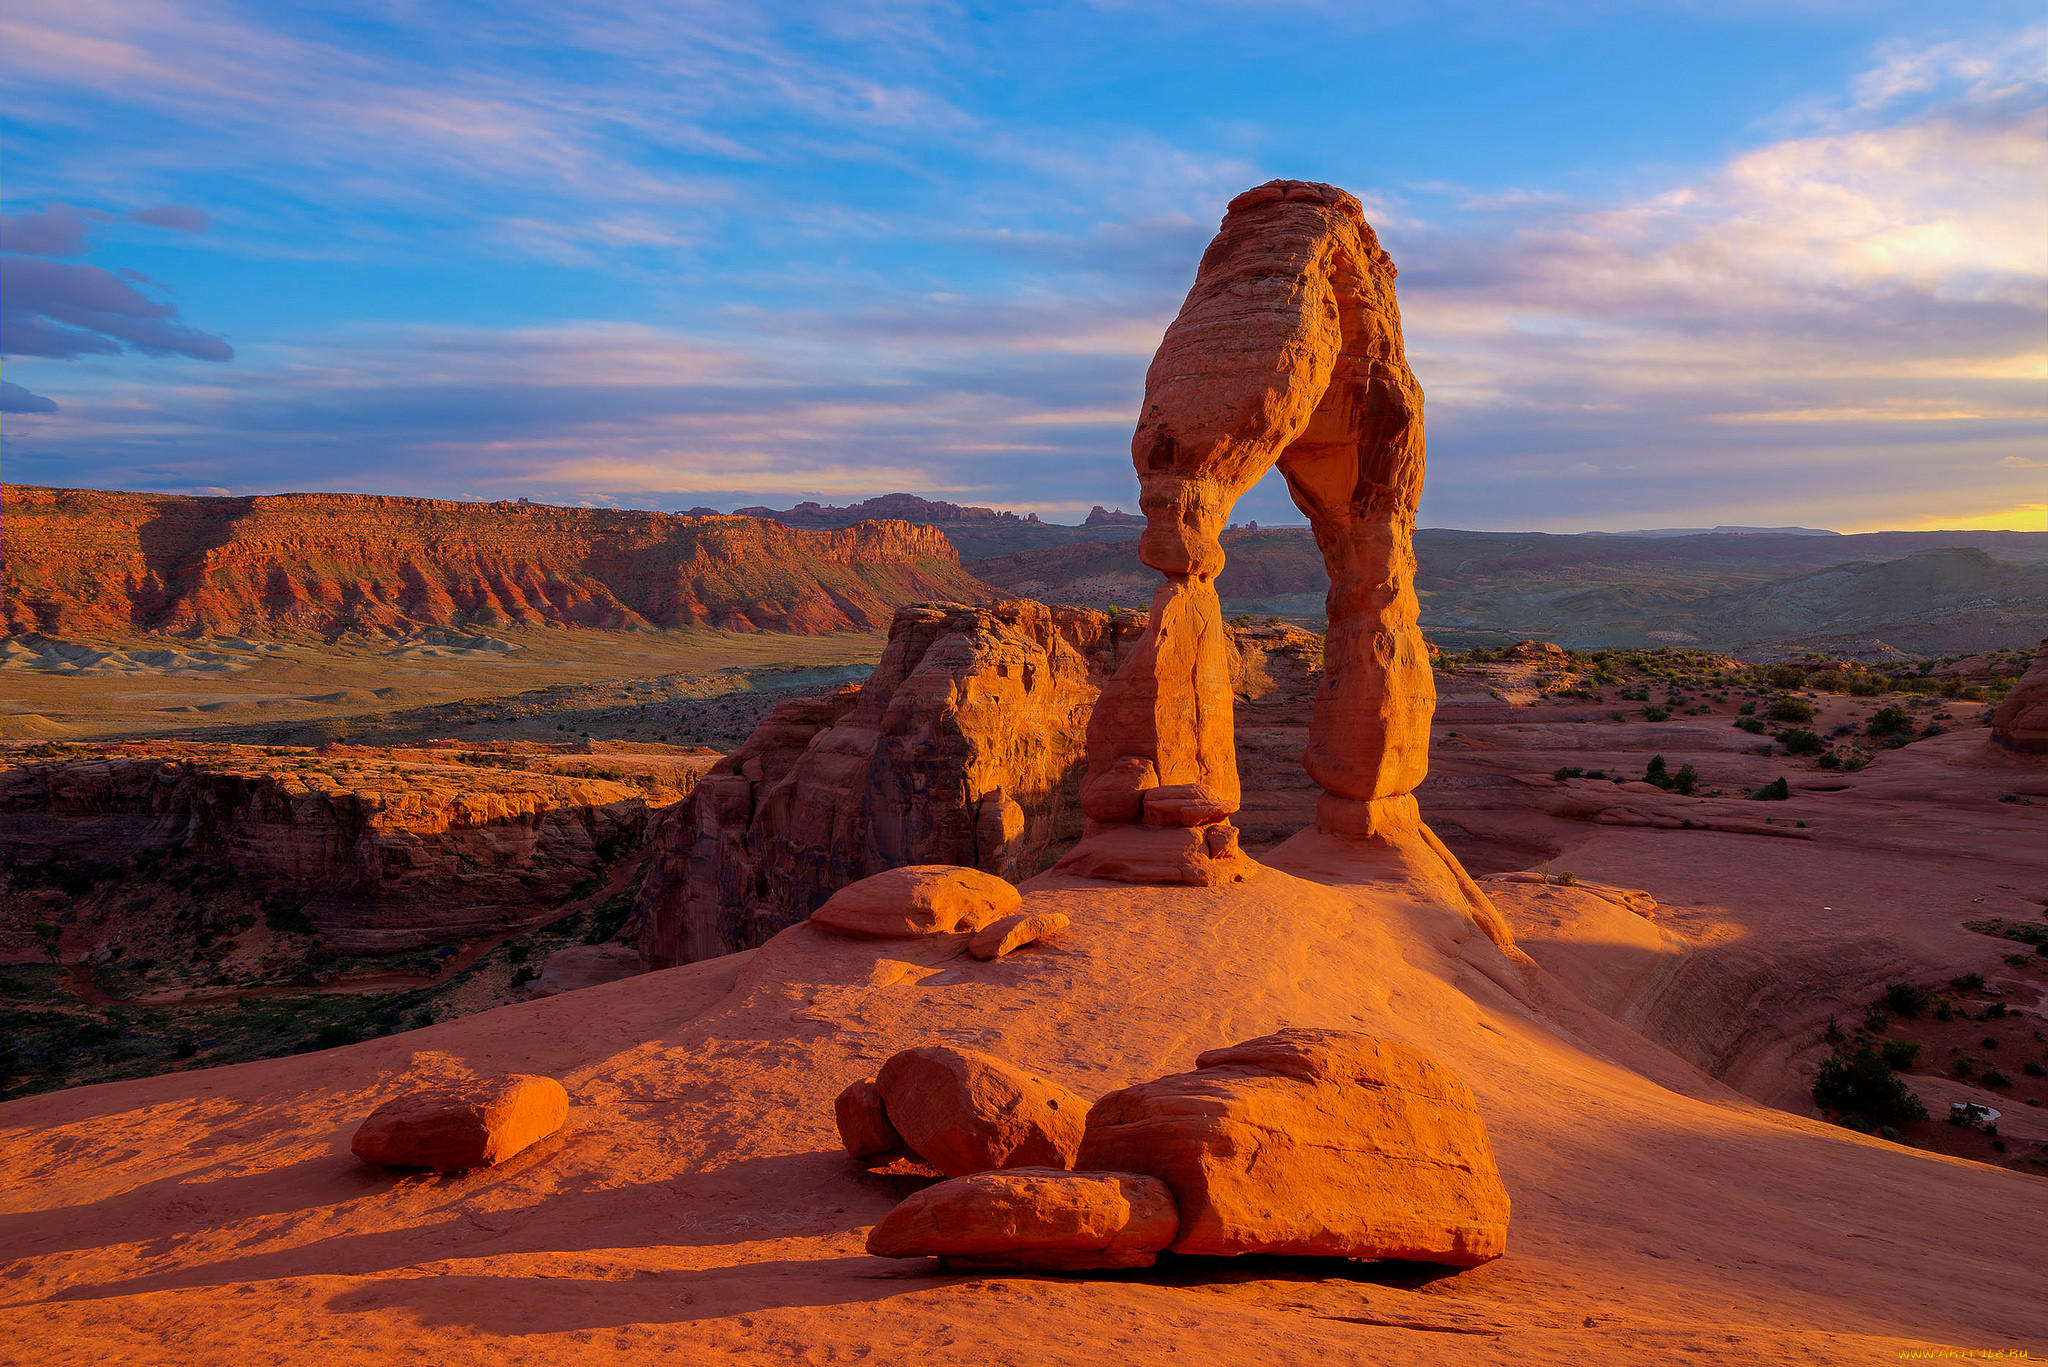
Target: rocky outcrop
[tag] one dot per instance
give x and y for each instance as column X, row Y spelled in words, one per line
column 1322, row 1143
column 462, row 1127
column 382, row 856
column 2021, row 721
column 964, row 1111
column 1033, row 1218
column 83, row 562
column 1287, row 351
column 964, row 747
column 886, row 507
column 1012, row 933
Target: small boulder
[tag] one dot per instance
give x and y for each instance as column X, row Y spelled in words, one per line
column 1320, row 1143
column 863, row 1121
column 1014, row 932
column 1043, row 1219
column 918, row 899
column 462, row 1126
column 965, row 1112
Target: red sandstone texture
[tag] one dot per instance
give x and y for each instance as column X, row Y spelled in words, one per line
column 83, row 562
column 964, row 1111
column 2021, row 722
column 1286, row 352
column 964, row 747
column 1033, row 1218
column 382, row 849
column 918, row 899
column 1313, row 1143
column 463, row 1126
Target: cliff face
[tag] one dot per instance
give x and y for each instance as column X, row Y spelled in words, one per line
column 408, row 851
column 81, row 561
column 964, row 747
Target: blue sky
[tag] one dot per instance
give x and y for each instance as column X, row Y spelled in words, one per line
column 1661, row 264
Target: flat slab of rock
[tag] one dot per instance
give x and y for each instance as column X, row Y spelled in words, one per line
column 464, row 1126
column 918, row 899
column 1014, row 932
column 1035, row 1218
column 1314, row 1143
column 965, row 1112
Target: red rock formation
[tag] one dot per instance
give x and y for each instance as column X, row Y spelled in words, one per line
column 463, row 1127
column 406, row 853
column 964, row 1111
column 79, row 561
column 2021, row 721
column 964, row 747
column 917, row 899
column 1012, row 933
column 1287, row 351
column 1035, row 1218
column 1316, row 1143
column 863, row 1122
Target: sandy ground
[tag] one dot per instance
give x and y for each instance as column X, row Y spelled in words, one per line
column 697, row 1208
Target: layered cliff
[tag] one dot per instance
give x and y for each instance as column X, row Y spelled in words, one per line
column 85, row 562
column 378, row 850
column 964, row 747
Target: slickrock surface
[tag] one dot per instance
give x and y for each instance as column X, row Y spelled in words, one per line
column 464, row 1126
column 703, row 1210
column 1033, row 1218
column 381, row 849
column 964, row 747
column 964, row 1111
column 1014, row 932
column 918, row 899
column 2022, row 719
column 81, row 561
column 1321, row 1143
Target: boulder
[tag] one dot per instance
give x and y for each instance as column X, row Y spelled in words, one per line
column 1037, row 1218
column 1313, row 1143
column 1014, row 932
column 918, row 899
column 458, row 1127
column 2021, row 721
column 965, row 1112
column 864, row 1128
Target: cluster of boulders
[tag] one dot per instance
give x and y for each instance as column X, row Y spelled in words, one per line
column 1304, row 1142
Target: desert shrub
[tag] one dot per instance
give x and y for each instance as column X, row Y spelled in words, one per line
column 1686, row 780
column 1889, row 721
column 1568, row 771
column 1751, row 725
column 1906, row 999
column 2034, row 1068
column 1789, row 708
column 1652, row 712
column 518, row 951
column 1900, row 1053
column 525, row 974
column 1863, row 1087
column 1657, row 772
column 1964, row 1068
column 1830, row 760
column 1798, row 741
column 333, row 1036
column 1748, row 709
column 1967, row 982
column 1993, row 1078
column 1777, row 790
column 1567, row 879
column 1943, row 1011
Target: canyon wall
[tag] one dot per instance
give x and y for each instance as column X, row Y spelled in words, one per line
column 377, row 856
column 964, row 747
column 83, row 562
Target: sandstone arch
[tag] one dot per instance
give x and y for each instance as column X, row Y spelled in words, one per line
column 1287, row 351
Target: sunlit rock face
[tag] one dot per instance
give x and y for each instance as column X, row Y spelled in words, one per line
column 1287, row 352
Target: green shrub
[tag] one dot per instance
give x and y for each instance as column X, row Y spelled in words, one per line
column 1900, row 1053
column 1686, row 780
column 1905, row 999
column 1798, row 741
column 1568, row 771
column 1993, row 1078
column 1863, row 1087
column 1777, row 790
column 1656, row 713
column 1967, row 982
column 1889, row 721
column 1657, row 772
column 1751, row 725
column 1789, row 708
